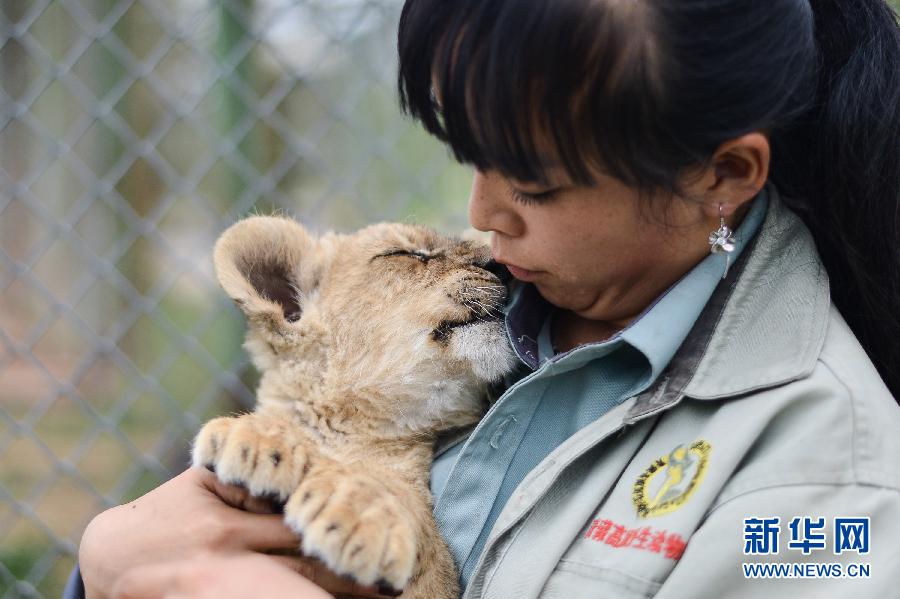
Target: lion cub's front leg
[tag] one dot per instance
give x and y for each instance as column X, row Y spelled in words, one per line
column 255, row 451
column 346, row 516
column 370, row 525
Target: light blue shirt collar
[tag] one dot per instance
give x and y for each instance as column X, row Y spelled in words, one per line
column 662, row 327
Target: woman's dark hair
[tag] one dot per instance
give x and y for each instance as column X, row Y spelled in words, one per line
column 646, row 90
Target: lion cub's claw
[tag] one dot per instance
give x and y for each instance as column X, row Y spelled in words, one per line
column 355, row 525
column 247, row 452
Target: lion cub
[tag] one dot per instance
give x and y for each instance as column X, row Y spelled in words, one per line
column 368, row 345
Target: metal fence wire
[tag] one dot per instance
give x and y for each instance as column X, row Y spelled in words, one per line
column 132, row 133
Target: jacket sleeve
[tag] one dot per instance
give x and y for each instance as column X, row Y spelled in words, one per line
column 713, row 564
column 74, row 586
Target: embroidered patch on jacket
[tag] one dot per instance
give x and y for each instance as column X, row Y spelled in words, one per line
column 670, row 480
column 618, row 536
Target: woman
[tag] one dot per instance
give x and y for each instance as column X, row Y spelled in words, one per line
column 700, row 201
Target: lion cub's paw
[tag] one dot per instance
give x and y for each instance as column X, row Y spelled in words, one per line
column 250, row 451
column 355, row 525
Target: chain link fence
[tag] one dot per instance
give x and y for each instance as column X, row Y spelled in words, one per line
column 132, row 132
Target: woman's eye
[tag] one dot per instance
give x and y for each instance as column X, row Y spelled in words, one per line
column 532, row 198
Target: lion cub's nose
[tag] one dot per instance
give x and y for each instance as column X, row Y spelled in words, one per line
column 497, row 269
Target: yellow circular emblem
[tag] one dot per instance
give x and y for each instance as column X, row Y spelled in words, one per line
column 669, row 481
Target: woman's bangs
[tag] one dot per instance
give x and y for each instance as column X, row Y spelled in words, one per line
column 513, row 86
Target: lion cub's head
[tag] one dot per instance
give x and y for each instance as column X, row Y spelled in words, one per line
column 394, row 322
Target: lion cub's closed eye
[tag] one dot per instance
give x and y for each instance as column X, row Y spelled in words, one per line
column 368, row 345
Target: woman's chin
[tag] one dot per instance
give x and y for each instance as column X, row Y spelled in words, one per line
column 564, row 297
column 586, row 304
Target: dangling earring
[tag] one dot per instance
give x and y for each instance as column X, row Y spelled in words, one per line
column 722, row 241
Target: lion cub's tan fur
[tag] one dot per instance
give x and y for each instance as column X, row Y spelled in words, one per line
column 368, row 344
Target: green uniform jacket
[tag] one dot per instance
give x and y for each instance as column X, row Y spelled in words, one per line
column 770, row 411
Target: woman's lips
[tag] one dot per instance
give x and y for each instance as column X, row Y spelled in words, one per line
column 522, row 274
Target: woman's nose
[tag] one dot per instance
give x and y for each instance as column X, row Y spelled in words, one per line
column 491, row 207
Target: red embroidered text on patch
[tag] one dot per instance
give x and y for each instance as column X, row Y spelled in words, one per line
column 647, row 539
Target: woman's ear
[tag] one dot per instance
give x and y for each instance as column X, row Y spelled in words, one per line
column 740, row 168
column 736, row 173
column 267, row 265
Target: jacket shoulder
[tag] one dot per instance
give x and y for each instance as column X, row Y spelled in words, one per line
column 837, row 426
column 874, row 421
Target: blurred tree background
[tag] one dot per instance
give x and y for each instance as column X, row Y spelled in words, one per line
column 132, row 133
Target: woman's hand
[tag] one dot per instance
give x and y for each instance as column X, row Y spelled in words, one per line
column 189, row 517
column 181, row 519
column 216, row 577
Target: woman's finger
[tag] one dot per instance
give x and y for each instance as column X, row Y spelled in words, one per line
column 246, row 529
column 265, row 533
column 236, row 496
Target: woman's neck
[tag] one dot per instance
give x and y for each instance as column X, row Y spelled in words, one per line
column 570, row 330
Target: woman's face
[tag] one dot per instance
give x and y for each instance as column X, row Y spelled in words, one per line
column 591, row 250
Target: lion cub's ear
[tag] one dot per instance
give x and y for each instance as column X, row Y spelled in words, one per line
column 266, row 264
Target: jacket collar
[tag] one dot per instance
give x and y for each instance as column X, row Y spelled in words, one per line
column 763, row 326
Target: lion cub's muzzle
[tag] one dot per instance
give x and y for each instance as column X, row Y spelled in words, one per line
column 483, row 296
column 498, row 270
